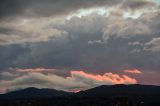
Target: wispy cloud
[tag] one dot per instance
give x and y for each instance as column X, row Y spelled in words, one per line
column 134, row 71
column 36, row 70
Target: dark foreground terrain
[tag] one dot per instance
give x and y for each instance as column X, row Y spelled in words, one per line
column 66, row 101
column 116, row 95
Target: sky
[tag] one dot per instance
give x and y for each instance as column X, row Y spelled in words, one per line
column 75, row 45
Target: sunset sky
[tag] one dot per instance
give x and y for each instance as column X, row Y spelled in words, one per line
column 75, row 45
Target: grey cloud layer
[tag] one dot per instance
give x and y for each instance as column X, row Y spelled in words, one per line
column 32, row 8
column 153, row 45
column 46, row 8
column 72, row 49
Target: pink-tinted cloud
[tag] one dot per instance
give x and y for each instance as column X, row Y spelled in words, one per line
column 36, row 70
column 78, row 80
column 135, row 71
column 107, row 77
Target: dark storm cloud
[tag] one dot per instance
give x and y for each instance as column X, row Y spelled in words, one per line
column 46, row 8
column 6, row 30
column 10, row 53
column 137, row 4
column 32, row 8
column 114, row 52
column 12, row 8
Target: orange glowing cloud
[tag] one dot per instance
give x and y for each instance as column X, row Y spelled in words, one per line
column 135, row 71
column 77, row 81
column 108, row 78
column 37, row 70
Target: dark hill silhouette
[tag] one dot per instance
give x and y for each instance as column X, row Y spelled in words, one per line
column 101, row 91
column 121, row 90
column 34, row 93
column 106, row 95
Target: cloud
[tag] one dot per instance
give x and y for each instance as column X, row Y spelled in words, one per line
column 47, row 8
column 38, row 8
column 135, row 71
column 138, row 4
column 109, row 78
column 130, row 28
column 87, row 43
column 36, row 70
column 27, row 31
column 135, row 43
column 7, row 74
column 79, row 80
column 22, row 30
column 153, row 45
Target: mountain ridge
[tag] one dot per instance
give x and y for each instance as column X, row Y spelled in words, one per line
column 121, row 90
column 100, row 91
column 33, row 92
